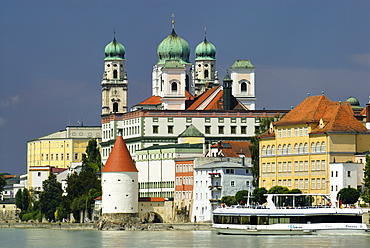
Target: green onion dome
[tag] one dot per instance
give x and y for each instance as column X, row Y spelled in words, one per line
column 205, row 50
column 114, row 50
column 353, row 101
column 173, row 48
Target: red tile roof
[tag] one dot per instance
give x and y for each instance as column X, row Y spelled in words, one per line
column 151, row 199
column 336, row 116
column 234, row 148
column 119, row 159
column 153, row 100
column 200, row 99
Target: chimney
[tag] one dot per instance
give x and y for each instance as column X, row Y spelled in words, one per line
column 227, row 91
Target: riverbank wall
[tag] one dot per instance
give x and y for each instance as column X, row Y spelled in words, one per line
column 111, row 227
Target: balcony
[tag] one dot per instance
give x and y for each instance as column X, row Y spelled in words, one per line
column 215, row 187
column 214, row 174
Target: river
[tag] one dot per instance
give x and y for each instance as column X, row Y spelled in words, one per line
column 40, row 238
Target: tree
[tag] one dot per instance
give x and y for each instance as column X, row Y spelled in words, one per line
column 50, row 197
column 84, row 187
column 254, row 148
column 366, row 194
column 228, row 200
column 295, row 191
column 278, row 190
column 259, row 195
column 241, row 196
column 22, row 199
column 2, row 182
column 348, row 195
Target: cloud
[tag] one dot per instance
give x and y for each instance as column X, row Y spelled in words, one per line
column 11, row 102
column 361, row 59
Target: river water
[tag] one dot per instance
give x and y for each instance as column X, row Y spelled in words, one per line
column 40, row 238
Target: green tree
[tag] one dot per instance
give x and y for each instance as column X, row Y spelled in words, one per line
column 241, row 196
column 259, row 195
column 228, row 200
column 22, row 199
column 278, row 190
column 348, row 195
column 2, row 182
column 366, row 194
column 295, row 191
column 51, row 196
column 84, row 187
column 254, row 148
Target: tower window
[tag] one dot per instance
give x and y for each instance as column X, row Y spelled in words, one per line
column 243, row 87
column 174, row 87
column 115, row 107
column 206, row 74
column 115, row 74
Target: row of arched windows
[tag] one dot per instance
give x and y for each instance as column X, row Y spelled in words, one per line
column 298, row 149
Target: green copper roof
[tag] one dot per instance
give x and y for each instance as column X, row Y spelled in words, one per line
column 172, row 48
column 355, row 104
column 173, row 64
column 205, row 51
column 114, row 51
column 243, row 63
column 191, row 131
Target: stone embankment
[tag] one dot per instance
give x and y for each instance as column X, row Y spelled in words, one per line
column 110, row 226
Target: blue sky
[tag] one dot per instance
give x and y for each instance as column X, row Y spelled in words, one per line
column 51, row 55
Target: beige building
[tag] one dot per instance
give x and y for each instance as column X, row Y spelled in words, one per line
column 296, row 151
column 58, row 150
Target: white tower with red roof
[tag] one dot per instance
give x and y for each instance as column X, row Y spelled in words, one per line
column 120, row 182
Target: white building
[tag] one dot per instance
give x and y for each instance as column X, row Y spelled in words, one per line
column 215, row 180
column 344, row 175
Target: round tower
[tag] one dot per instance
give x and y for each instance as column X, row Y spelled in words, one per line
column 119, row 183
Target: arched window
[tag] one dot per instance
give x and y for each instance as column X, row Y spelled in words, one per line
column 273, row 150
column 284, row 149
column 313, row 150
column 323, row 147
column 115, row 107
column 243, row 87
column 174, row 87
column 115, row 74
column 280, row 150
column 289, row 149
column 206, row 73
column 296, row 149
column 305, row 148
column 268, row 150
column 318, row 147
column 301, row 148
column 264, row 151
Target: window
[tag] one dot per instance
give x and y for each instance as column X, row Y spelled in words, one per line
column 221, row 129
column 115, row 74
column 306, row 183
column 206, row 73
column 115, row 107
column 243, row 87
column 232, row 183
column 155, row 129
column 273, row 183
column 323, row 147
column 170, row 129
column 243, row 129
column 296, row 132
column 174, row 87
column 76, row 156
column 313, row 165
column 39, row 174
column 289, row 132
column 313, row 150
column 349, row 173
column 322, row 164
column 273, row 150
column 313, row 183
column 273, row 166
column 279, row 133
column 296, row 183
column 67, row 156
column 289, row 149
column 280, row 166
column 318, row 183
column 289, row 166
column 233, row 129
column 207, row 129
column 296, row 166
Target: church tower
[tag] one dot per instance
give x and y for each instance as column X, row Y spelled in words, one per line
column 243, row 85
column 172, row 75
column 205, row 67
column 119, row 182
column 115, row 82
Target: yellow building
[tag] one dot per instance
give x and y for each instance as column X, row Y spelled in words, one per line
column 296, row 151
column 58, row 150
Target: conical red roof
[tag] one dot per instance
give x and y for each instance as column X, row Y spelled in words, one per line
column 119, row 158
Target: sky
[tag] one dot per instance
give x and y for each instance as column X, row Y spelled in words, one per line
column 52, row 52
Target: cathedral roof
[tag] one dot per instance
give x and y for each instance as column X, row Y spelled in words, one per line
column 119, row 159
column 243, row 63
column 153, row 100
column 234, row 148
column 205, row 51
column 173, row 47
column 114, row 51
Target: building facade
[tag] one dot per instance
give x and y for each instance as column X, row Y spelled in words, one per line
column 296, row 151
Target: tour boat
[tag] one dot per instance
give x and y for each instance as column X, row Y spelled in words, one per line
column 289, row 214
